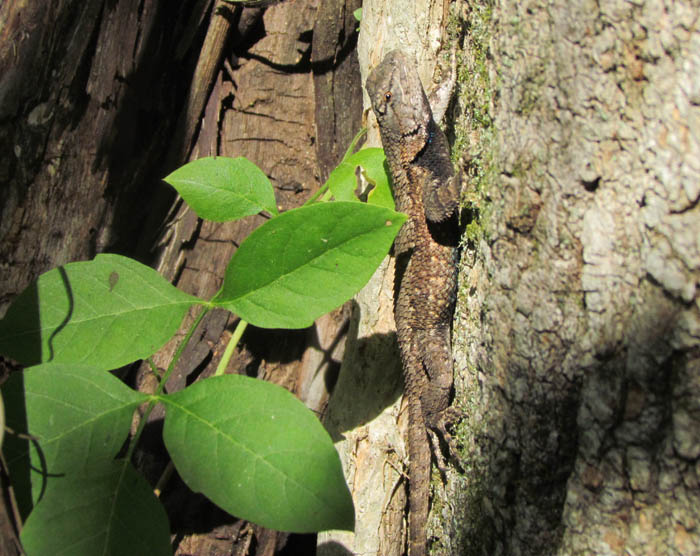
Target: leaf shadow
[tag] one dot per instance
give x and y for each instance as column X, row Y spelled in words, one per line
column 16, row 448
column 370, row 380
column 332, row 548
column 69, row 313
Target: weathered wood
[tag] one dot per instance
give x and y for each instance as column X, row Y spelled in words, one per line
column 99, row 101
column 84, row 126
column 262, row 106
column 87, row 91
column 338, row 90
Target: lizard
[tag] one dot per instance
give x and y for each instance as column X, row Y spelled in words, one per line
column 426, row 189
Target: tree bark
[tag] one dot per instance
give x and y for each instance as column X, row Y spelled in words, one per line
column 93, row 130
column 87, row 91
column 577, row 327
column 84, row 126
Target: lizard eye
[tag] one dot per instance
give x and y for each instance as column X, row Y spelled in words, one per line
column 387, row 96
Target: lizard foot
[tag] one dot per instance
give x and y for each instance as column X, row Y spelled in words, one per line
column 438, row 431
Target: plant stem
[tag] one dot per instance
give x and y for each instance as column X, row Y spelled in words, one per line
column 232, row 343
column 151, row 404
column 321, row 191
column 353, row 143
column 181, row 347
column 164, row 478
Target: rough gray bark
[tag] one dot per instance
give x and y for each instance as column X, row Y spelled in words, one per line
column 578, row 322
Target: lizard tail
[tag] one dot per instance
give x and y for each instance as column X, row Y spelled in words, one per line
column 419, row 480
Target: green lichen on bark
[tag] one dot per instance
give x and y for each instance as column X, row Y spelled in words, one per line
column 474, row 133
column 475, row 148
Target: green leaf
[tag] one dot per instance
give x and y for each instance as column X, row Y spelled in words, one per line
column 257, row 452
column 343, row 183
column 373, row 164
column 306, row 262
column 107, row 510
column 358, row 14
column 77, row 415
column 222, row 189
column 107, row 312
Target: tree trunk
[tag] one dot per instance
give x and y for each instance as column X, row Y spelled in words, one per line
column 578, row 321
column 87, row 94
column 577, row 327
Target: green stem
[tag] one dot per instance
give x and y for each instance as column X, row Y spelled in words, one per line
column 154, row 367
column 151, row 404
column 321, row 191
column 353, row 143
column 232, row 343
column 180, row 348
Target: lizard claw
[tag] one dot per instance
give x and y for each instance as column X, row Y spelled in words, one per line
column 448, row 417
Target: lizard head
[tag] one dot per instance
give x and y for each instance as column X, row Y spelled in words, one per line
column 399, row 102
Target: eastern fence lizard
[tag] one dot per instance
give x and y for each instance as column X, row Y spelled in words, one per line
column 426, row 189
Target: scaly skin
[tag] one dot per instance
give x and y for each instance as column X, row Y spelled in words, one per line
column 425, row 188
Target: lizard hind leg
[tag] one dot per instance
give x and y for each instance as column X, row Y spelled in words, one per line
column 435, row 398
column 436, row 357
